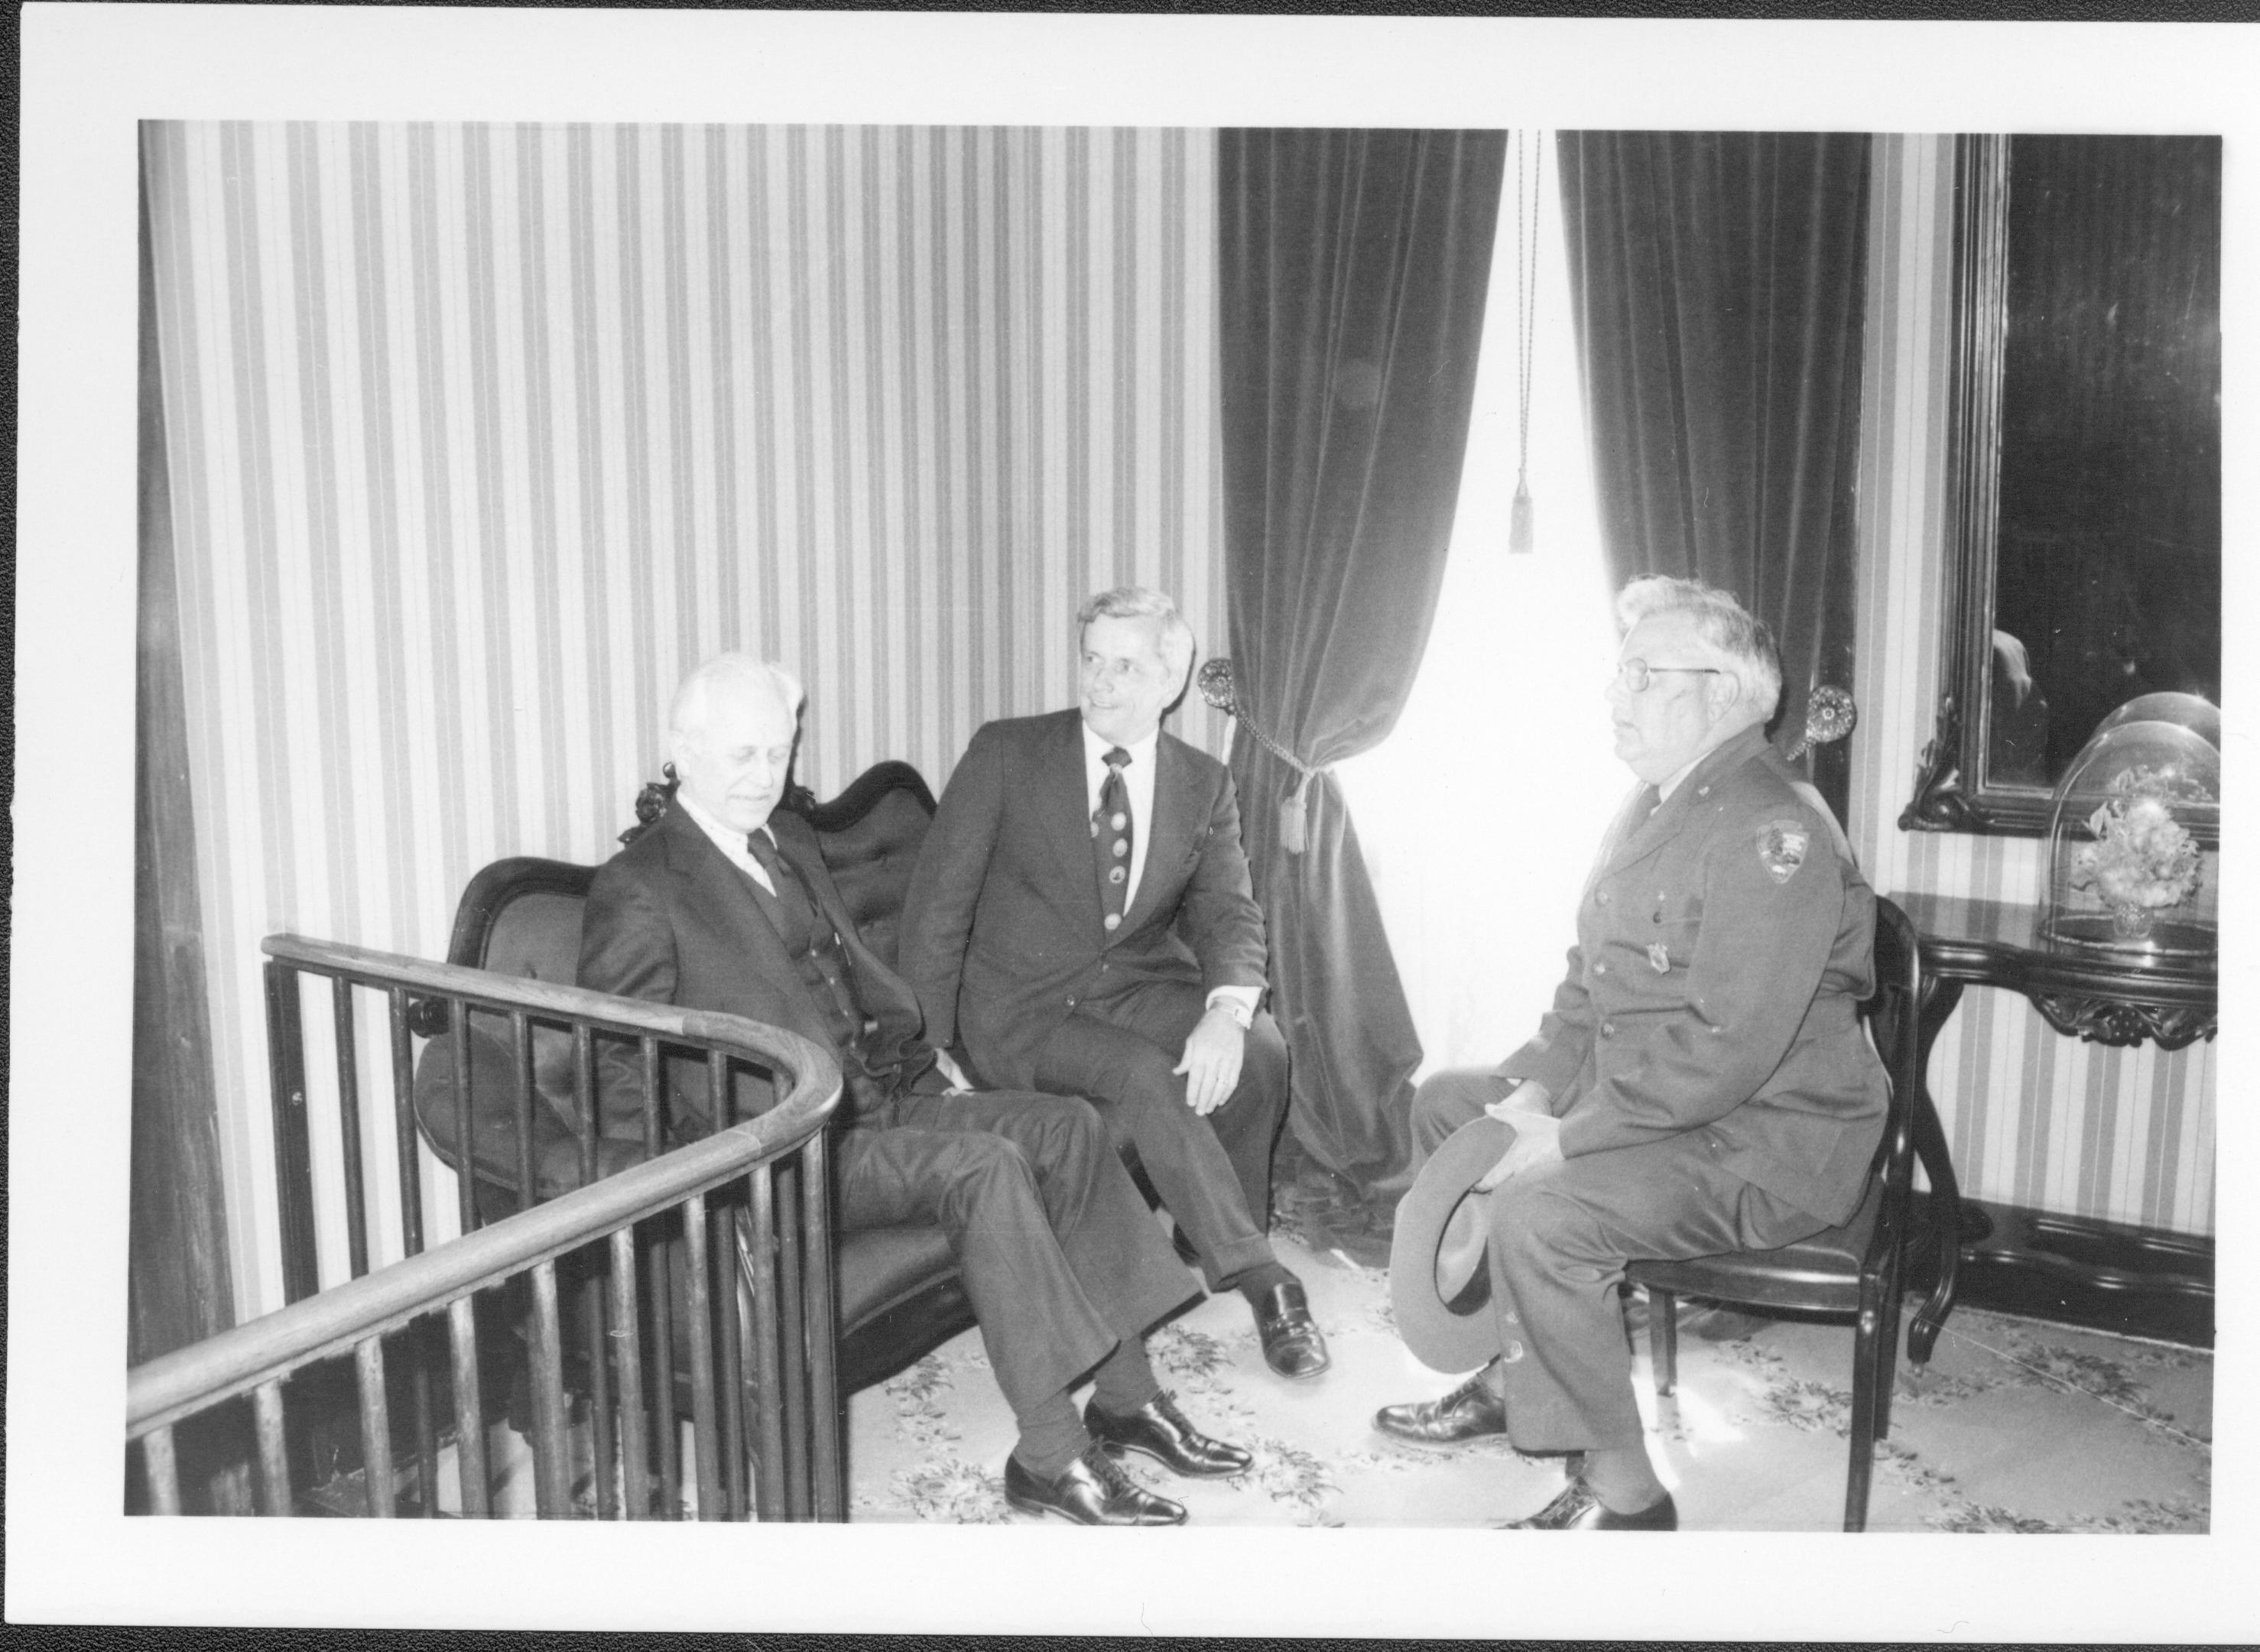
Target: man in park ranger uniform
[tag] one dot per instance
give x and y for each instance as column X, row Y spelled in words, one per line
column 1701, row 1082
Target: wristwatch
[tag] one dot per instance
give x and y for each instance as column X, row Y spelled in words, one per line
column 1242, row 1017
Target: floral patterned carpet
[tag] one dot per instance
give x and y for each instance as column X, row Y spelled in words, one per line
column 2014, row 1427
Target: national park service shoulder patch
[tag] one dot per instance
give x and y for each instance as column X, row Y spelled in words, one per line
column 1782, row 846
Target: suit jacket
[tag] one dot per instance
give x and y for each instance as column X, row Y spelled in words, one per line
column 669, row 920
column 1723, row 946
column 1002, row 933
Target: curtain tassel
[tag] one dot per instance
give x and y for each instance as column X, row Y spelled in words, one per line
column 1293, row 811
column 1522, row 527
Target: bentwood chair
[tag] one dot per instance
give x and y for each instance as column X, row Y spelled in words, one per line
column 1855, row 1272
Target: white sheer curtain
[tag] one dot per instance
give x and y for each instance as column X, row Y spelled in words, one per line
column 1480, row 814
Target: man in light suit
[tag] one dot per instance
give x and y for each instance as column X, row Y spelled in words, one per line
column 725, row 905
column 1702, row 1082
column 1080, row 921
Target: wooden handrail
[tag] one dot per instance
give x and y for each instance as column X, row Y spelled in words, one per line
column 486, row 989
column 175, row 1385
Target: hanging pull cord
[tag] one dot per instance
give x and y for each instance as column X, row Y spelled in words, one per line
column 1522, row 528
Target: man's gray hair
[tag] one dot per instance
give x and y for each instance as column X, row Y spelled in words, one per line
column 686, row 714
column 1143, row 602
column 1741, row 639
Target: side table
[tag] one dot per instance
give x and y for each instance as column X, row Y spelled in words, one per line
column 2105, row 997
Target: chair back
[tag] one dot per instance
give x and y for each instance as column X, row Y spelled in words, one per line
column 1892, row 1013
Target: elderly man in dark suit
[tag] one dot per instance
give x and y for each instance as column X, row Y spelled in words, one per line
column 726, row 905
column 1702, row 1082
column 1081, row 920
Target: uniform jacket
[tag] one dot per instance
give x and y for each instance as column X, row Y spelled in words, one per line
column 1723, row 946
column 669, row 920
column 1002, row 933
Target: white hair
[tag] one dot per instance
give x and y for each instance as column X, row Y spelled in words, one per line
column 1143, row 602
column 1741, row 639
column 686, row 713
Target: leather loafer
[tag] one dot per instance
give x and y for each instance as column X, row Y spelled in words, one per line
column 1467, row 1413
column 1293, row 1344
column 1091, row 1491
column 1578, row 1510
column 1159, row 1430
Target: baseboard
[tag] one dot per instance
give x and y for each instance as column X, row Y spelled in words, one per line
column 2076, row 1271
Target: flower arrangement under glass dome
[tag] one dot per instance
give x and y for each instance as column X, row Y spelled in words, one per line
column 2134, row 842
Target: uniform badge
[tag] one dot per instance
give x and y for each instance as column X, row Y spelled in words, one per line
column 1782, row 844
column 1659, row 957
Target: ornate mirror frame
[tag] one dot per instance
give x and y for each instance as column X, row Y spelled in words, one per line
column 1950, row 793
column 1953, row 792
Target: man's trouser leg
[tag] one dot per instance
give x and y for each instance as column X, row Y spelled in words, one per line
column 1214, row 1174
column 1059, row 1257
column 1560, row 1237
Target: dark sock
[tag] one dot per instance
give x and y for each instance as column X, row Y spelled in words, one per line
column 1052, row 1436
column 1124, row 1380
column 1254, row 1282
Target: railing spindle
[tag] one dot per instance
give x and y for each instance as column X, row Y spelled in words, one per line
column 342, row 1019
column 765, row 1384
column 470, row 1426
column 552, row 1467
column 702, row 1358
column 521, row 1104
column 722, row 1247
column 792, row 1342
column 404, row 1124
column 410, row 1166
column 592, row 1291
column 467, row 1179
column 163, row 1472
column 294, row 1168
column 273, row 1458
column 659, row 1260
column 823, row 1386
column 635, row 1472
column 376, row 1429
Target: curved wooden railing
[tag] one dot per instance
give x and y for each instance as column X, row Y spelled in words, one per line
column 770, row 1334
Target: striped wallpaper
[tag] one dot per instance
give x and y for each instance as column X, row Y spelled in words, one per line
column 481, row 435
column 2034, row 1119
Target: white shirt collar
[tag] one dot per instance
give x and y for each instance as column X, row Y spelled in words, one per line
column 728, row 838
column 1095, row 745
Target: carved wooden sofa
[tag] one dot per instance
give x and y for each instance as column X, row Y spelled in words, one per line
column 897, row 1294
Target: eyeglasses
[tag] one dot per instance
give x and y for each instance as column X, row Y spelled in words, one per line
column 1635, row 674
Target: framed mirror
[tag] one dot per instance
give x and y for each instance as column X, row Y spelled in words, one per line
column 2084, row 537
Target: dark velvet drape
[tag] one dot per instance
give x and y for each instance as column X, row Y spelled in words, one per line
column 1353, row 268
column 1718, row 282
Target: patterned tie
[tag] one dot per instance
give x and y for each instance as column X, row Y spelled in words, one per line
column 798, row 911
column 1110, row 835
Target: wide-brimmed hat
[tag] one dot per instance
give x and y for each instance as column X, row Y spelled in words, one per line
column 1441, row 1294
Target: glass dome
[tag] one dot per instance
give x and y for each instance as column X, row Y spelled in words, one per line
column 2135, row 838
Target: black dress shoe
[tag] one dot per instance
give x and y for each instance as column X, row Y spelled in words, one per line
column 1467, row 1413
column 1578, row 1510
column 1293, row 1344
column 1091, row 1491
column 1159, row 1430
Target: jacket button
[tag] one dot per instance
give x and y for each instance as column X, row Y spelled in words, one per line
column 1608, row 1029
column 1071, row 1004
column 1600, row 969
column 1601, row 899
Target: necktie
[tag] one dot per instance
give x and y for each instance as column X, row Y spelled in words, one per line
column 793, row 904
column 1111, row 832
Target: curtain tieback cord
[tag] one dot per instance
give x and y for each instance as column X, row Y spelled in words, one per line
column 1214, row 680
